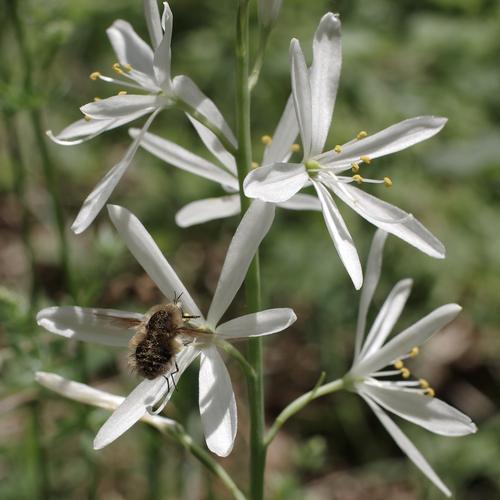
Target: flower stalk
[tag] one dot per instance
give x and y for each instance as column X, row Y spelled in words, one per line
column 252, row 281
column 302, row 401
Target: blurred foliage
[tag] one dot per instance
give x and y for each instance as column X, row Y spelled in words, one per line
column 401, row 59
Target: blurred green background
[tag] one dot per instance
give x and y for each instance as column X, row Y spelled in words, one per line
column 401, row 59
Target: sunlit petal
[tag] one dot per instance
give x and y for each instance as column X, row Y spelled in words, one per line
column 201, row 211
column 217, row 403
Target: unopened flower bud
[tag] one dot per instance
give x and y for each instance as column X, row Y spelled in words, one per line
column 269, row 11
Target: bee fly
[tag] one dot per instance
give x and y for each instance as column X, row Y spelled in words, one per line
column 159, row 337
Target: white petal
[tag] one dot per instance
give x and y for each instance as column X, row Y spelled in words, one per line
column 257, row 324
column 413, row 336
column 201, row 211
column 324, row 78
column 84, row 130
column 386, row 217
column 187, row 91
column 430, row 413
column 372, row 276
column 182, row 158
column 246, row 240
column 217, row 403
column 387, row 317
column 301, row 90
column 407, row 446
column 275, row 183
column 152, row 15
column 102, row 326
column 279, row 150
column 162, row 54
column 120, row 106
column 144, row 249
column 99, row 196
column 340, row 236
column 302, row 202
column 130, row 48
column 214, row 145
column 88, row 395
column 400, row 136
column 147, row 394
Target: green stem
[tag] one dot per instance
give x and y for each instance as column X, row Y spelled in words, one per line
column 297, row 405
column 252, row 282
column 43, row 485
column 259, row 58
column 228, row 145
column 206, row 460
column 234, row 353
column 19, row 176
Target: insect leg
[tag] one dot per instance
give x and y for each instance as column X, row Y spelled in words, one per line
column 173, row 373
column 168, row 384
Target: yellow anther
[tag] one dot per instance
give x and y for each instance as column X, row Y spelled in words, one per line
column 295, row 148
column 95, row 75
column 338, row 148
column 423, row 383
column 127, row 67
column 254, row 164
column 414, row 352
column 357, row 178
column 97, row 98
column 312, row 165
column 117, row 68
column 122, row 92
column 398, row 364
column 87, row 118
column 355, row 167
column 266, row 139
column 387, row 182
column 430, row 392
column 405, row 373
column 361, row 135
column 365, row 159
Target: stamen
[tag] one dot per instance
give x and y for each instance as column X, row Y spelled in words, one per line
column 122, row 92
column 94, row 75
column 357, row 178
column 127, row 67
column 405, row 373
column 365, row 159
column 97, row 99
column 295, row 148
column 255, row 165
column 87, row 118
column 414, row 352
column 423, row 383
column 387, row 182
column 355, row 167
column 338, row 148
column 266, row 140
column 117, row 68
column 361, row 135
column 430, row 392
column 398, row 364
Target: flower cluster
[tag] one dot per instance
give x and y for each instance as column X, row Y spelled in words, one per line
column 168, row 338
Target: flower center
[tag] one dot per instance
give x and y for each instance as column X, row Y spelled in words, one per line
column 420, row 385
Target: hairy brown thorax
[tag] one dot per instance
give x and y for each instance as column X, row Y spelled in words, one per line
column 154, row 346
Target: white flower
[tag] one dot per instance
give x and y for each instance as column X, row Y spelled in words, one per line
column 140, row 68
column 224, row 172
column 88, row 395
column 410, row 399
column 314, row 92
column 216, row 398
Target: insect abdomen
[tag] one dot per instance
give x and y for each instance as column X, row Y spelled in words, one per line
column 152, row 358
